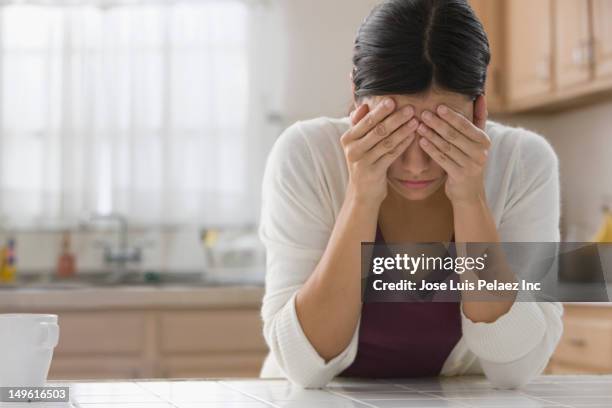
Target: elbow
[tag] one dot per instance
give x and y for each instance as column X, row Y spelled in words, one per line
column 299, row 369
column 521, row 372
column 300, row 366
column 312, row 380
column 510, row 380
column 514, row 375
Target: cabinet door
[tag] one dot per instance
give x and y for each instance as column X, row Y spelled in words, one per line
column 213, row 366
column 95, row 368
column 102, row 333
column 489, row 13
column 586, row 342
column 572, row 43
column 602, row 28
column 221, row 331
column 528, row 49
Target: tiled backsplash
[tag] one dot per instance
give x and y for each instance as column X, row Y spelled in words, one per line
column 179, row 250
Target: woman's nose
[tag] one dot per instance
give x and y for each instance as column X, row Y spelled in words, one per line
column 414, row 159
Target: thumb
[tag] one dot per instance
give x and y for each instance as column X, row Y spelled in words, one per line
column 480, row 112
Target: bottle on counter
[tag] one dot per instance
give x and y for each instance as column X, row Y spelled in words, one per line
column 66, row 261
column 8, row 262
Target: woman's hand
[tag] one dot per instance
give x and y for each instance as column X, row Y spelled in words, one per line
column 460, row 147
column 373, row 142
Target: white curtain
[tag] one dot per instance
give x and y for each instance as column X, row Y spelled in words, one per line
column 148, row 109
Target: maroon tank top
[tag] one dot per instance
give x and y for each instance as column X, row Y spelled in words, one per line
column 405, row 339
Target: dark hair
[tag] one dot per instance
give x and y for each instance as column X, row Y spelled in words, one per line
column 408, row 46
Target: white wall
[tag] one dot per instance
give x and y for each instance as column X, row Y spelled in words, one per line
column 318, row 50
column 582, row 139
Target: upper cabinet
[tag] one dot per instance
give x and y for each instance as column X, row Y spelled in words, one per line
column 528, row 50
column 572, row 45
column 547, row 54
column 602, row 41
column 491, row 18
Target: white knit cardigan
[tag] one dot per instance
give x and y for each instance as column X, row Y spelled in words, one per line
column 303, row 190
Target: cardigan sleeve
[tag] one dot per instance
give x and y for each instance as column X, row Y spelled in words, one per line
column 295, row 226
column 517, row 346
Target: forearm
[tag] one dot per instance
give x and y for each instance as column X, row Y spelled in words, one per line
column 329, row 303
column 474, row 223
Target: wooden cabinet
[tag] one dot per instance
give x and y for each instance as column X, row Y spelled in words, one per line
column 213, row 365
column 602, row 38
column 586, row 344
column 489, row 13
column 96, row 368
column 87, row 333
column 528, row 49
column 216, row 343
column 547, row 54
column 159, row 344
column 572, row 43
column 211, row 331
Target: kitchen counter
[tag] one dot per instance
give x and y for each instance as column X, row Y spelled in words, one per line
column 130, row 297
column 146, row 297
column 473, row 391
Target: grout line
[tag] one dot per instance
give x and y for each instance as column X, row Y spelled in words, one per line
column 402, row 387
column 164, row 399
column 451, row 400
column 542, row 399
column 270, row 403
column 351, row 399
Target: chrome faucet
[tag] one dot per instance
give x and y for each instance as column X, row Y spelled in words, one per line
column 120, row 256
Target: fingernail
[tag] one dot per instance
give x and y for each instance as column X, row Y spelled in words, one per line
column 424, row 142
column 413, row 123
column 408, row 111
column 389, row 103
column 427, row 115
column 442, row 110
column 421, row 129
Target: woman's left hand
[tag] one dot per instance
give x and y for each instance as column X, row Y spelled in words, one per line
column 460, row 147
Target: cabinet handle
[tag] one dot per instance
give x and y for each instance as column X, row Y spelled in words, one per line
column 577, row 342
column 543, row 69
column 579, row 55
column 584, row 54
column 590, row 52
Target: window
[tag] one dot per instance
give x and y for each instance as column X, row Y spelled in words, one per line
column 137, row 108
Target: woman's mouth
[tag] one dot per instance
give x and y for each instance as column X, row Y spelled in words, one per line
column 416, row 184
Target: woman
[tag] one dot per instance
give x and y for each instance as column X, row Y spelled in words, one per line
column 416, row 161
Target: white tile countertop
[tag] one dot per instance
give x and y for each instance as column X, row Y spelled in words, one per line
column 474, row 391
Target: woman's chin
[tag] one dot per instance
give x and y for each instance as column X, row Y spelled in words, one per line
column 416, row 194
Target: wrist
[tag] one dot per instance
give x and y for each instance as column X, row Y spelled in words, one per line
column 475, row 201
column 363, row 203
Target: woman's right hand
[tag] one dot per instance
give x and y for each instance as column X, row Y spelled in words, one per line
column 376, row 138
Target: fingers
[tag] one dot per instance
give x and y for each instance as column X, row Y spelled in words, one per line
column 444, row 146
column 394, row 144
column 441, row 158
column 383, row 132
column 370, row 120
column 359, row 113
column 437, row 128
column 463, row 125
column 390, row 156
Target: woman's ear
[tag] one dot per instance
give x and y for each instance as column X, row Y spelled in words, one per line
column 480, row 112
column 351, row 77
